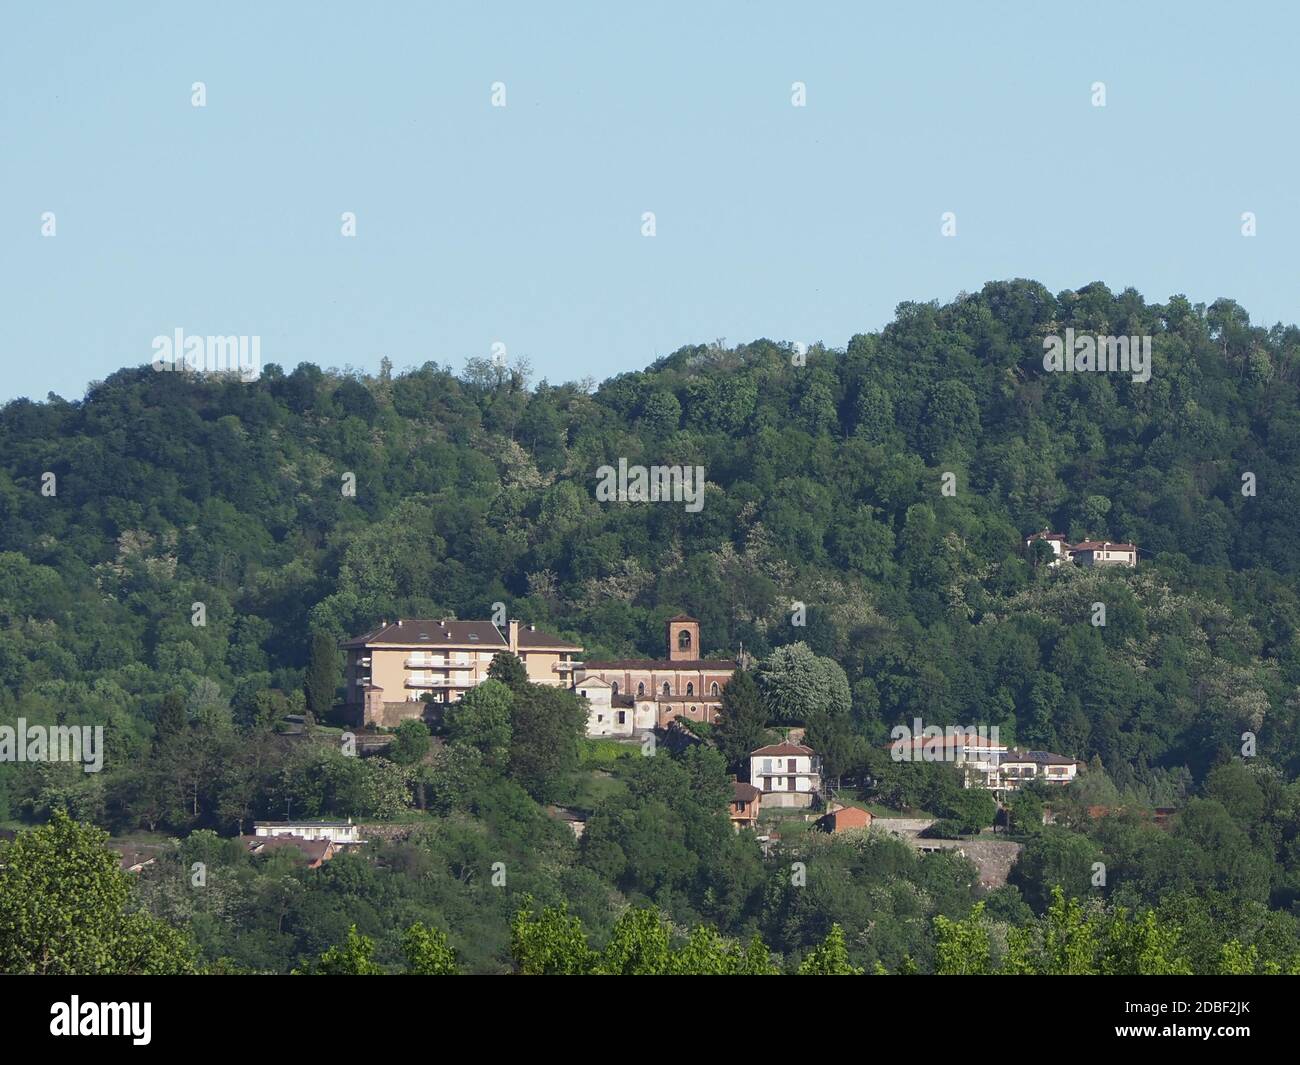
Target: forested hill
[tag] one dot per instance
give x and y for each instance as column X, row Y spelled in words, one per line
column 824, row 488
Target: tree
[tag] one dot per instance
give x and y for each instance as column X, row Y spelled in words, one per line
column 798, row 685
column 410, row 744
column 547, row 724
column 509, row 669
column 172, row 719
column 550, row 943
column 352, row 958
column 962, row 947
column 482, row 719
column 743, row 725
column 427, row 952
column 65, row 909
column 322, row 676
column 830, row 957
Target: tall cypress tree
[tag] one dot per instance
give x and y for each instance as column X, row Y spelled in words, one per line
column 743, row 725
column 322, row 676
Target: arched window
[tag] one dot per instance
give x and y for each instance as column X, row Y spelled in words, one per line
column 640, row 688
column 684, row 640
column 614, row 688
column 713, row 690
column 690, row 689
column 667, row 690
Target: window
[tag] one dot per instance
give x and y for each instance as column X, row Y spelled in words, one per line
column 684, row 640
column 640, row 689
column 713, row 689
column 690, row 689
column 692, row 709
column 614, row 688
column 622, row 717
column 667, row 690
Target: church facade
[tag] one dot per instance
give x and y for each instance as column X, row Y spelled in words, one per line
column 658, row 690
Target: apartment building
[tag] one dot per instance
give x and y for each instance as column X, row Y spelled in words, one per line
column 392, row 667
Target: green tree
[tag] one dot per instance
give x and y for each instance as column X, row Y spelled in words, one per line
column 830, row 957
column 547, row 725
column 354, row 957
column 743, row 724
column 482, row 719
column 509, row 669
column 65, row 909
column 322, row 679
column 427, row 952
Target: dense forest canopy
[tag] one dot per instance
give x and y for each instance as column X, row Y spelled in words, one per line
column 825, row 477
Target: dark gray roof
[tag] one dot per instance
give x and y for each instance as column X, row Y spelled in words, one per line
column 427, row 633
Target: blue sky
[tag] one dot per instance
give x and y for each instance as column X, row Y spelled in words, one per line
column 522, row 225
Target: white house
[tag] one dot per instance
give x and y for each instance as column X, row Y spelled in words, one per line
column 1104, row 553
column 788, row 774
column 1059, row 544
column 606, row 715
column 337, row 832
column 1020, row 767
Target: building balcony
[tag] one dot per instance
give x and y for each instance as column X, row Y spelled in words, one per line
column 566, row 667
column 418, row 662
column 439, row 682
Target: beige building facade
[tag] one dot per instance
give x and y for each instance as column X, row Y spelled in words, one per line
column 392, row 667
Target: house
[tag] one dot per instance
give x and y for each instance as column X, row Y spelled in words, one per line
column 746, row 801
column 316, row 852
column 788, row 774
column 1018, row 767
column 340, row 833
column 663, row 689
column 1059, row 544
column 978, row 755
column 392, row 667
column 1104, row 553
column 845, row 818
column 608, row 715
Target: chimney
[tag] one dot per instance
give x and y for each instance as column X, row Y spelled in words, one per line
column 514, row 637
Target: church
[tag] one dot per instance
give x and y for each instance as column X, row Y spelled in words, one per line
column 645, row 693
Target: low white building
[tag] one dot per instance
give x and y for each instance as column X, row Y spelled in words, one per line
column 788, row 774
column 1104, row 553
column 337, row 832
column 608, row 714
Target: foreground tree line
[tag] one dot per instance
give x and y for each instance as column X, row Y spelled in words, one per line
column 66, row 908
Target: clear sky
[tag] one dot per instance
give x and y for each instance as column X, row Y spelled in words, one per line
column 523, row 225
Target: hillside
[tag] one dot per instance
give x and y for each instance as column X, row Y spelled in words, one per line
column 825, row 488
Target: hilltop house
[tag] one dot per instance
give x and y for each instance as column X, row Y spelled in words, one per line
column 681, row 685
column 1104, row 553
column 788, row 774
column 746, row 801
column 391, row 667
column 1087, row 552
